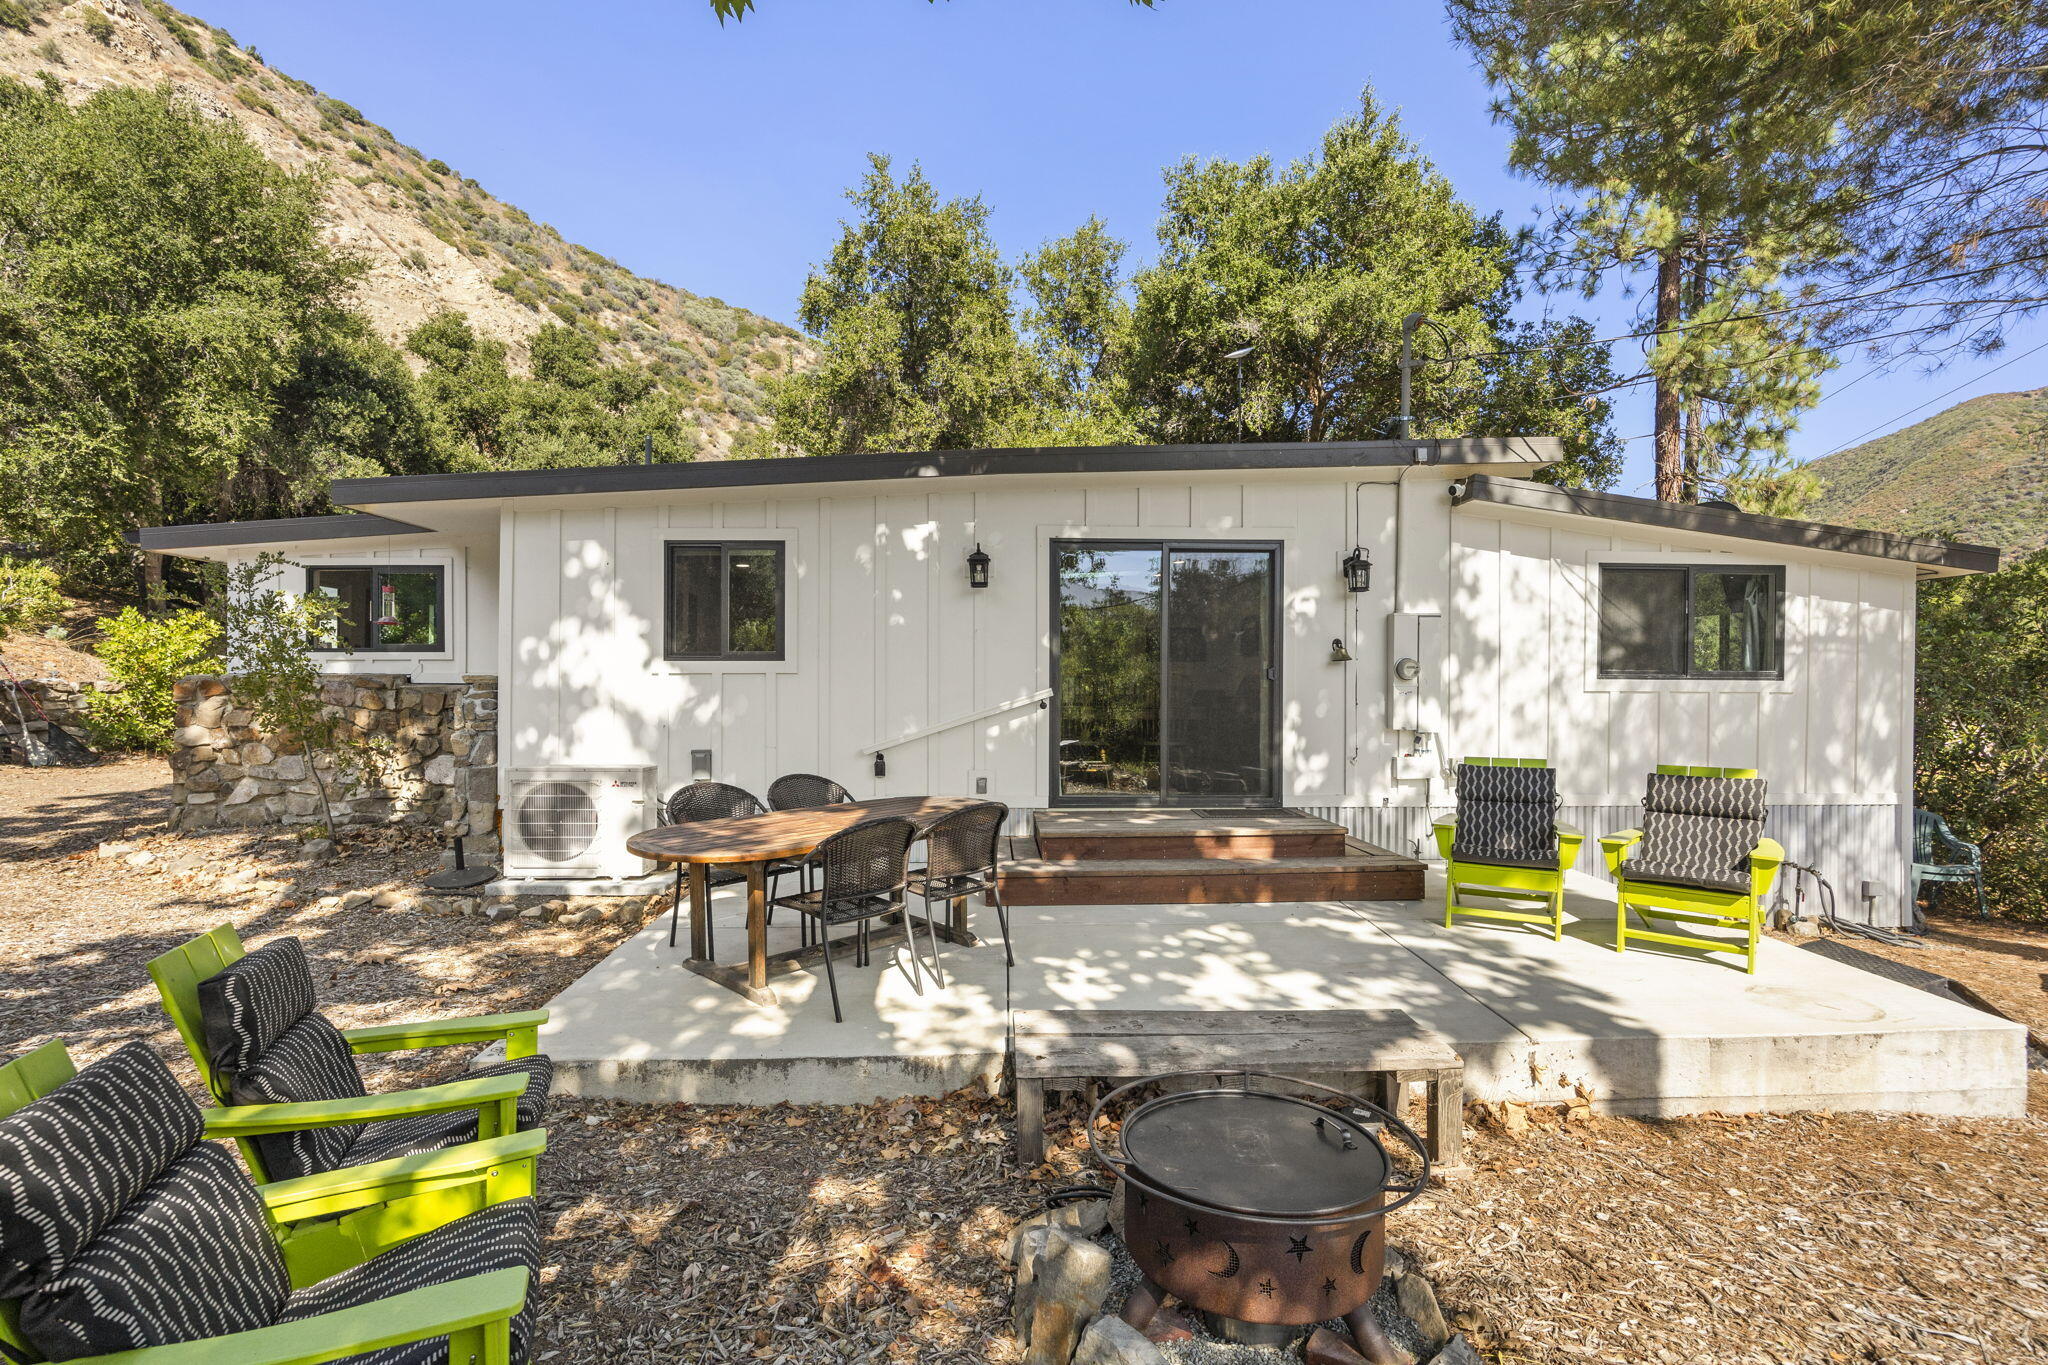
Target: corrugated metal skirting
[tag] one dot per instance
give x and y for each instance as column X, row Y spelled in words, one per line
column 1849, row 845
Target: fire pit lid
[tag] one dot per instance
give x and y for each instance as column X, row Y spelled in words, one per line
column 1255, row 1152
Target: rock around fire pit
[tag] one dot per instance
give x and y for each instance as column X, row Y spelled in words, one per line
column 1256, row 1202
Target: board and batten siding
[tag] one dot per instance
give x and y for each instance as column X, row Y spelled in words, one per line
column 884, row 638
column 1833, row 737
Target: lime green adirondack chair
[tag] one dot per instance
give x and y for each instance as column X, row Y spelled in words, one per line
column 1514, row 853
column 178, row 973
column 325, row 1224
column 1731, row 898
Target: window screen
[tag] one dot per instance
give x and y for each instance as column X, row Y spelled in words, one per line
column 1691, row 622
column 725, row 601
column 379, row 607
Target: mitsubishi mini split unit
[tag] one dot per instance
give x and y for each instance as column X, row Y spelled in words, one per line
column 569, row 822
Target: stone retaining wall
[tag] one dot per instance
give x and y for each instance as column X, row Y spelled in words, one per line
column 62, row 701
column 427, row 751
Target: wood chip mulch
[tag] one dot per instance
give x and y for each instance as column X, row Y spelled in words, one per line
column 820, row 1234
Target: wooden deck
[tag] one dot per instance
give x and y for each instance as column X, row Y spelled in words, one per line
column 1199, row 858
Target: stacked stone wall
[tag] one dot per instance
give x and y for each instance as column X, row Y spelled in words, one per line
column 419, row 754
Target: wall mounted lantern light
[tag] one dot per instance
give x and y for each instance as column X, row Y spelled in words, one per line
column 1339, row 654
column 1358, row 570
column 977, row 567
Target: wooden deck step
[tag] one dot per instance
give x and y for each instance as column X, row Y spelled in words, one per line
column 1360, row 871
column 1179, row 835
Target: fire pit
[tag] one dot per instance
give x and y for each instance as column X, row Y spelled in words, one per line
column 1262, row 1207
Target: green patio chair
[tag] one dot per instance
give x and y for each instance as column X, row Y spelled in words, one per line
column 1700, row 858
column 257, row 1039
column 127, row 1239
column 1505, row 846
column 1932, row 839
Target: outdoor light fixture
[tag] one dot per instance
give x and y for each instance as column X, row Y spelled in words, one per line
column 1239, row 356
column 977, row 567
column 1339, row 654
column 881, row 764
column 1358, row 570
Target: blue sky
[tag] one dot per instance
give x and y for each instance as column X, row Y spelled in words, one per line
column 715, row 157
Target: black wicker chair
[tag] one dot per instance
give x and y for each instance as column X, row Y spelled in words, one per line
column 714, row 801
column 797, row 790
column 862, row 874
column 961, row 854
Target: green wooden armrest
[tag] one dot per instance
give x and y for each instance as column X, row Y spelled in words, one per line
column 1569, row 838
column 1764, row 861
column 521, row 1027
column 495, row 1098
column 417, row 1315
column 1446, row 828
column 354, row 1187
column 1614, row 846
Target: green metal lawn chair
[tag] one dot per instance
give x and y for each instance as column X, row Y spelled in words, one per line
column 1505, row 845
column 269, row 1047
column 126, row 1239
column 1932, row 838
column 1700, row 858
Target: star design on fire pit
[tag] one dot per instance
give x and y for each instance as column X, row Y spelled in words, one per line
column 1266, row 1288
column 1143, row 1202
column 1192, row 1226
column 1166, row 1253
column 1329, row 1288
column 1297, row 1247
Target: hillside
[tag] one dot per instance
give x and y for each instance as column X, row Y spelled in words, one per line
column 434, row 240
column 1977, row 471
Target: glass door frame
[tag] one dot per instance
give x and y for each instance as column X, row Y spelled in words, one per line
column 1276, row 670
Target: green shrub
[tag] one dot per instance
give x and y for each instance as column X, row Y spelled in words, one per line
column 29, row 599
column 146, row 655
column 439, row 167
column 97, row 25
column 15, row 16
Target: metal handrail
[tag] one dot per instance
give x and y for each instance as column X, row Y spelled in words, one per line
column 1040, row 696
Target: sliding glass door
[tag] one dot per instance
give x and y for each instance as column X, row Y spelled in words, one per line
column 1165, row 673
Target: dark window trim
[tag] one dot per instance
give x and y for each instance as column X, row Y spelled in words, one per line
column 1776, row 573
column 726, row 549
column 1276, row 660
column 440, row 573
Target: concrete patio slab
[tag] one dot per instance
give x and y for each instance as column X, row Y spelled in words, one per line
column 1660, row 1031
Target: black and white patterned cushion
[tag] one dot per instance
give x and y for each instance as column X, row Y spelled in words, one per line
column 190, row 1257
column 1699, row 831
column 308, row 1061
column 1507, row 817
column 502, row 1237
column 71, row 1160
column 248, row 1005
column 418, row 1133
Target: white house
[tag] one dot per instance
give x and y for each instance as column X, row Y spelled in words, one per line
column 1170, row 625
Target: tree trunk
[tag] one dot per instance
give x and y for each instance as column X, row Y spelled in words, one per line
column 1669, row 438
column 1698, row 463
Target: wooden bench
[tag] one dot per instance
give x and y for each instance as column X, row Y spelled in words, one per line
column 1080, row 1047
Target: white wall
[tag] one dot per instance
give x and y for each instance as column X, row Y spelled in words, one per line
column 885, row 638
column 469, row 583
column 1521, row 676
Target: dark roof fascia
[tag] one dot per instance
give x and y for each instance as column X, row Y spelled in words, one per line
column 636, row 478
column 1720, row 521
column 280, row 530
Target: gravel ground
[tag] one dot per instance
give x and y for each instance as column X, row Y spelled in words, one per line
column 872, row 1234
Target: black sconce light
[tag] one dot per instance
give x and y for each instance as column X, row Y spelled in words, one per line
column 1339, row 654
column 881, row 764
column 1358, row 570
column 977, row 567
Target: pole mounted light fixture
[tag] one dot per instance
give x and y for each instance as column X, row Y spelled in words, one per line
column 1358, row 570
column 977, row 567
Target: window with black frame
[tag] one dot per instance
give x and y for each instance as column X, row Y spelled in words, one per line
column 384, row 607
column 724, row 600
column 1692, row 621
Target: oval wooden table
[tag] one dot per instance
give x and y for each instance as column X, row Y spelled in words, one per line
column 753, row 842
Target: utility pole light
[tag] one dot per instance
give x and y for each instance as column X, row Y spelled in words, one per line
column 1239, row 356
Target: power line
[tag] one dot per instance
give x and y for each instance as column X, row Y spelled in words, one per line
column 1936, row 399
